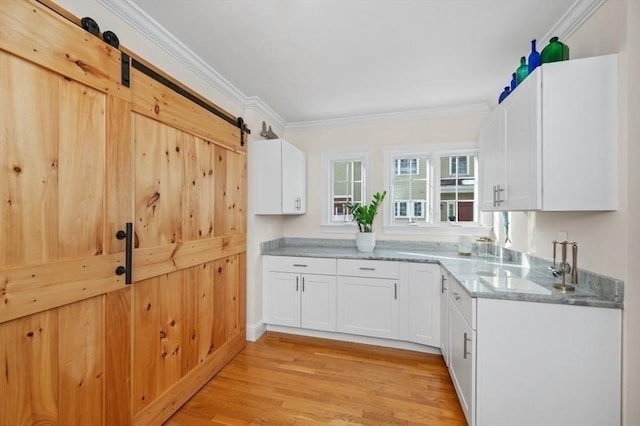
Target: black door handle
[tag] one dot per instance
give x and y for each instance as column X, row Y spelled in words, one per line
column 128, row 268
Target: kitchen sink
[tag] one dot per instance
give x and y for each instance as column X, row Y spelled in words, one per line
column 514, row 285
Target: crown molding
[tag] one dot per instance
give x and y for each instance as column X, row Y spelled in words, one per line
column 256, row 104
column 417, row 114
column 578, row 13
column 161, row 37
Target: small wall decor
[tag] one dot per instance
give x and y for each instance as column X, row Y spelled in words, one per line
column 268, row 134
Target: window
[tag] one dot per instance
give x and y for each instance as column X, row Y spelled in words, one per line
column 410, row 191
column 459, row 165
column 407, row 166
column 457, row 189
column 347, row 188
column 435, row 187
column 409, row 209
column 345, row 184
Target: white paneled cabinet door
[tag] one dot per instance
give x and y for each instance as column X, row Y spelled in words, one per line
column 424, row 303
column 283, row 299
column 294, row 171
column 492, row 175
column 318, row 301
column 522, row 148
column 368, row 307
column 462, row 360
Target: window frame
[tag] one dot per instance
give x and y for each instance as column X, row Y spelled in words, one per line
column 453, row 171
column 434, row 153
column 328, row 160
column 410, row 171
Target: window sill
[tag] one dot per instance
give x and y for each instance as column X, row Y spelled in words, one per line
column 347, row 228
column 471, row 229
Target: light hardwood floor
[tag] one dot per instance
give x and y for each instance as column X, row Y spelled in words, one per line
column 285, row 379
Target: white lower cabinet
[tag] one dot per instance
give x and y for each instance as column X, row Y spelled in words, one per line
column 462, row 346
column 369, row 298
column 424, row 303
column 368, row 307
column 547, row 364
column 522, row 363
column 300, row 299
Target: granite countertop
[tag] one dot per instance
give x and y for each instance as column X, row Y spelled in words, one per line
column 592, row 289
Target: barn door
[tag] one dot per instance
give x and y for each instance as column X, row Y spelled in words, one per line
column 189, row 261
column 65, row 190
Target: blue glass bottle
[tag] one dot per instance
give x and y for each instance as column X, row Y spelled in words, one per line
column 534, row 57
column 514, row 81
column 504, row 94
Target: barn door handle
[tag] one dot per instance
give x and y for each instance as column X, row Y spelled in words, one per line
column 127, row 269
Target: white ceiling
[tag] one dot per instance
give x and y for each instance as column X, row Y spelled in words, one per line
column 314, row 60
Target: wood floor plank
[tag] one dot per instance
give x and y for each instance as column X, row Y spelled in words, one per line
column 285, row 379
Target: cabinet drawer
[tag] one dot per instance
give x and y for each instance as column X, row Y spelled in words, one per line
column 303, row 265
column 463, row 301
column 368, row 268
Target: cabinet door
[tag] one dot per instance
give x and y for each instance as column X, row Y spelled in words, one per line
column 462, row 360
column 318, row 302
column 491, row 160
column 368, row 306
column 294, row 179
column 521, row 147
column 282, row 299
column 267, row 166
column 424, row 303
column 444, row 316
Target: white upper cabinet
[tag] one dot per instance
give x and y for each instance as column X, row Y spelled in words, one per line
column 280, row 177
column 552, row 144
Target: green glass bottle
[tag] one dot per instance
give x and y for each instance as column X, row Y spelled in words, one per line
column 523, row 70
column 554, row 52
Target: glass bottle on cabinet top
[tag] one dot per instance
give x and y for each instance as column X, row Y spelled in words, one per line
column 534, row 57
column 555, row 51
column 504, row 94
column 514, row 82
column 523, row 70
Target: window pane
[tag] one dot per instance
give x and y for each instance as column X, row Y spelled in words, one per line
column 457, row 188
column 347, row 187
column 410, row 190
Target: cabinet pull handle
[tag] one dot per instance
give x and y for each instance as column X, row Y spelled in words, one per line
column 442, row 284
column 299, row 265
column 499, row 190
column 495, row 191
column 297, row 280
column 127, row 270
column 303, row 284
column 466, row 339
column 395, row 291
column 367, row 269
column 456, row 296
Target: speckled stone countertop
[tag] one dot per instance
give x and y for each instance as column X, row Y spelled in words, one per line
column 592, row 289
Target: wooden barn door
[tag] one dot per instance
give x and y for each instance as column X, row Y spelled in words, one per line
column 81, row 155
column 188, row 295
column 65, row 189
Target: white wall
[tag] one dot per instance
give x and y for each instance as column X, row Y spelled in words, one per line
column 373, row 136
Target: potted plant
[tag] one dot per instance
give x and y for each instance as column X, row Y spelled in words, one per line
column 364, row 214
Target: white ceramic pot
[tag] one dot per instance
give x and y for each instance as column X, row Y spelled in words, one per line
column 366, row 241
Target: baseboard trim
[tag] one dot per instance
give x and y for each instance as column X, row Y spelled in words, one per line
column 255, row 331
column 397, row 344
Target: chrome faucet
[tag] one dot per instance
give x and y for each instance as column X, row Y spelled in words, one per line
column 564, row 268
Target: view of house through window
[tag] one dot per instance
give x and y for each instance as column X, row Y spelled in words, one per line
column 347, row 187
column 410, row 189
column 432, row 187
column 457, row 188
